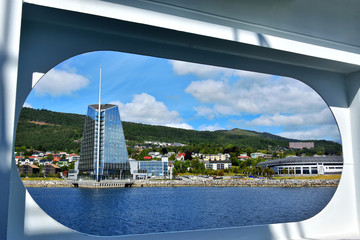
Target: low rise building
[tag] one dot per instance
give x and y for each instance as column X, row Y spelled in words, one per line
column 73, row 173
column 146, row 169
column 257, row 154
column 301, row 145
column 180, row 157
column 28, row 169
column 305, row 165
column 218, row 165
column 216, row 157
column 50, row 169
column 243, row 158
column 73, row 157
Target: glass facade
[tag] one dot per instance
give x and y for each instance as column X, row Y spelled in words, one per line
column 113, row 156
column 154, row 168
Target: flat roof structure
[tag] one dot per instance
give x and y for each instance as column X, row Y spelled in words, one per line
column 302, row 160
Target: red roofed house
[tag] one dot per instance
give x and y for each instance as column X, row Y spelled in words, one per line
column 180, row 157
column 56, row 159
column 147, row 158
column 33, row 158
column 73, row 157
column 18, row 158
column 243, row 158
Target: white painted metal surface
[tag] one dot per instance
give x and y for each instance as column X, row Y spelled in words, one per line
column 38, row 34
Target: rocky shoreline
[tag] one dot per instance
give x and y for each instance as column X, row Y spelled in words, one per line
column 209, row 183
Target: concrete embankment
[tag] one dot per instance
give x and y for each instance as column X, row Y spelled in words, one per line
column 238, row 183
column 48, row 183
column 197, row 183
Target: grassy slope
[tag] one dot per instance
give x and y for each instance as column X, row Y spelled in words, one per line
column 61, row 129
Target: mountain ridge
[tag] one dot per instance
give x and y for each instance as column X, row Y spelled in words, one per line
column 62, row 131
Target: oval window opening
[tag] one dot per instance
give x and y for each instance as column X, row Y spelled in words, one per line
column 174, row 146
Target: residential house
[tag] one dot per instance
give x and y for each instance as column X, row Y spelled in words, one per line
column 73, row 157
column 180, row 157
column 28, row 169
column 50, row 169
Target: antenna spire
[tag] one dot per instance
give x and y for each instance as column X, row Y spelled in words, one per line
column 98, row 131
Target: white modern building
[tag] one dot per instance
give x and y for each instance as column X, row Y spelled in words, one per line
column 257, row 154
column 305, row 165
column 148, row 169
column 218, row 164
column 216, row 157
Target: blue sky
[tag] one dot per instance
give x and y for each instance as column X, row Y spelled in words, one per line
column 185, row 95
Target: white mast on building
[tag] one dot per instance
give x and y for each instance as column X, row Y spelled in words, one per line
column 98, row 131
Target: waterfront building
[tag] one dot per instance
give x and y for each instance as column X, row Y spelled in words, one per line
column 28, row 169
column 111, row 161
column 73, row 173
column 146, row 169
column 50, row 169
column 218, row 165
column 305, row 165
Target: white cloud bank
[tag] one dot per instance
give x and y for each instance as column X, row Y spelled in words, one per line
column 273, row 101
column 58, row 82
column 145, row 109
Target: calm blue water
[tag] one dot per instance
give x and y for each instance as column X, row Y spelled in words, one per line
column 145, row 210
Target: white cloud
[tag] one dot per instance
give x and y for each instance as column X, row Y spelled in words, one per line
column 210, row 127
column 57, row 83
column 27, row 105
column 327, row 132
column 277, row 102
column 205, row 111
column 324, row 117
column 145, row 109
column 259, row 96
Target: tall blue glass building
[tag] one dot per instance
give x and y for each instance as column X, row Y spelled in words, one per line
column 112, row 161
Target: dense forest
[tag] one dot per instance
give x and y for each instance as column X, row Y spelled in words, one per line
column 47, row 130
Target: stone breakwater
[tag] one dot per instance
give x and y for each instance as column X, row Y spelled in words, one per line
column 48, row 183
column 199, row 183
column 239, row 183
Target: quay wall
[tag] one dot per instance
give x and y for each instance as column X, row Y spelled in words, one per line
column 239, row 183
column 212, row 183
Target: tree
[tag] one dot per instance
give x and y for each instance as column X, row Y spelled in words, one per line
column 164, row 151
column 175, row 172
column 188, row 155
column 172, row 157
column 267, row 171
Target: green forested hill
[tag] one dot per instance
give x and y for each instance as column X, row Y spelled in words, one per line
column 47, row 130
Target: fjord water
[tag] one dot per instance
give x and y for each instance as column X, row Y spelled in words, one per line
column 122, row 211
